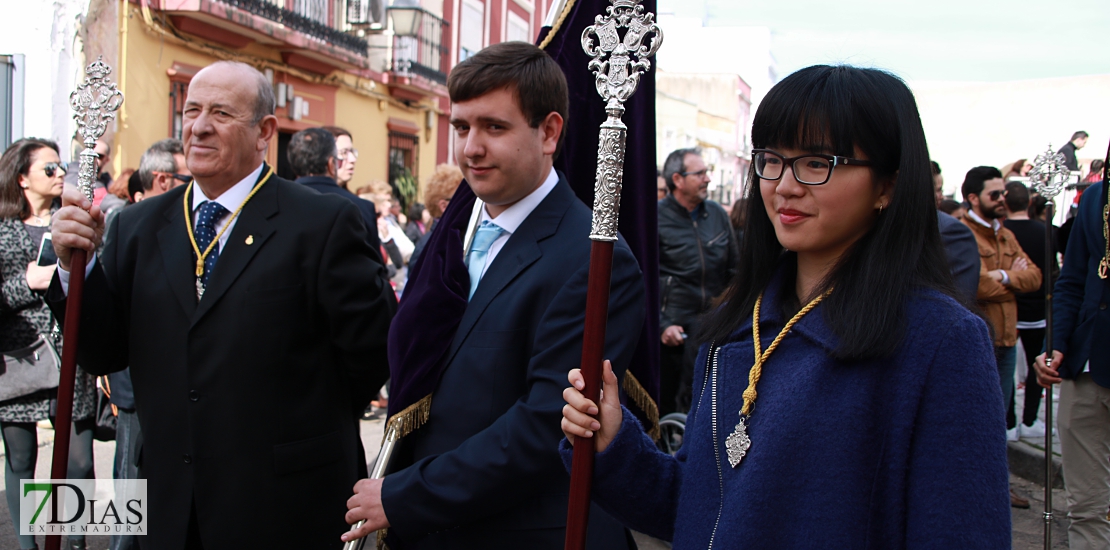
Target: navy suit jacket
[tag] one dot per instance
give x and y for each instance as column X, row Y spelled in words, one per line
column 963, row 254
column 485, row 472
column 1079, row 313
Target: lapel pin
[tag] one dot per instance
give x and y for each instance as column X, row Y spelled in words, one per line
column 250, row 240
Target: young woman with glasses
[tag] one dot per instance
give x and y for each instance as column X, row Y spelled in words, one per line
column 844, row 398
column 30, row 184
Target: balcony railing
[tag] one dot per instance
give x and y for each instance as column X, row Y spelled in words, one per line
column 423, row 54
column 304, row 22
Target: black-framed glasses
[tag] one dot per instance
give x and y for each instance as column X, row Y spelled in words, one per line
column 52, row 168
column 811, row 169
column 699, row 173
column 179, row 177
column 997, row 194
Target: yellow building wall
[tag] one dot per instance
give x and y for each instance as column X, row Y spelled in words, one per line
column 145, row 115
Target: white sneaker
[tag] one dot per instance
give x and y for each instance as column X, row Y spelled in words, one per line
column 1013, row 434
column 1036, row 430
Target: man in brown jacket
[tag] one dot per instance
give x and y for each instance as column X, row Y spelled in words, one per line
column 1004, row 269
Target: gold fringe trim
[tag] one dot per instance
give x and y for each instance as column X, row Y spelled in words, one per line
column 410, row 419
column 558, row 24
column 402, row 424
column 638, row 395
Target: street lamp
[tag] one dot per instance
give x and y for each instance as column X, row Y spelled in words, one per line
column 406, row 19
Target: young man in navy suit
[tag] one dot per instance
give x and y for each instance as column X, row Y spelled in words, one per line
column 484, row 470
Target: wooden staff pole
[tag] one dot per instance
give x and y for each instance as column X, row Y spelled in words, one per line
column 94, row 103
column 618, row 61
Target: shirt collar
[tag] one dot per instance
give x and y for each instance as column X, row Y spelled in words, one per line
column 232, row 198
column 975, row 217
column 513, row 216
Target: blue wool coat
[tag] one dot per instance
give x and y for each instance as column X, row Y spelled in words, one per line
column 904, row 452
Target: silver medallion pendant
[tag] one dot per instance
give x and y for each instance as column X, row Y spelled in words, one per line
column 738, row 443
column 200, row 289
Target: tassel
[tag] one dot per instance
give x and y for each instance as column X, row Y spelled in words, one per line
column 638, row 395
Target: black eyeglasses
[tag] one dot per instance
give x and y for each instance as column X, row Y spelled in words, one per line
column 811, row 169
column 52, row 168
column 996, row 194
column 179, row 177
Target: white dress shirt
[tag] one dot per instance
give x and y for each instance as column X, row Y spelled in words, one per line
column 994, row 225
column 230, row 199
column 513, row 216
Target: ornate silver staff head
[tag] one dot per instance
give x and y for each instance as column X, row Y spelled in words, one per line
column 1049, row 174
column 94, row 103
column 618, row 61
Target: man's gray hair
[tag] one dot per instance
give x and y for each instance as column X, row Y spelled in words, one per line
column 159, row 158
column 676, row 164
column 264, row 101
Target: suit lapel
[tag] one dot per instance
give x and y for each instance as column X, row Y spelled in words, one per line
column 253, row 222
column 521, row 251
column 177, row 255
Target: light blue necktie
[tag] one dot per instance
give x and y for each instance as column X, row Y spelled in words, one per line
column 479, row 249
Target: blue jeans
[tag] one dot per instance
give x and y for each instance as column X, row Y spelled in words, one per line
column 129, row 444
column 1007, row 362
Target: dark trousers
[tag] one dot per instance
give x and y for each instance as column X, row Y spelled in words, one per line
column 129, row 445
column 21, row 453
column 1032, row 341
column 676, row 374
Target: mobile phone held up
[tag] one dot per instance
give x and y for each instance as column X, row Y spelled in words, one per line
column 46, row 251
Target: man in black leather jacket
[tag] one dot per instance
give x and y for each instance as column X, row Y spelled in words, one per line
column 697, row 256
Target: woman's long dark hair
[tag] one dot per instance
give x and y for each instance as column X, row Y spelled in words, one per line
column 839, row 109
column 17, row 162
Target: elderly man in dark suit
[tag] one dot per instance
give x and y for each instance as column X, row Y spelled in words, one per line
column 255, row 320
column 484, row 470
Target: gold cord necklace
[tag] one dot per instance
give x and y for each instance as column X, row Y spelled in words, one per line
column 201, row 256
column 1104, row 265
column 738, row 443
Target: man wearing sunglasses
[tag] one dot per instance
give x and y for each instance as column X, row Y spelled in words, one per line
column 1004, row 269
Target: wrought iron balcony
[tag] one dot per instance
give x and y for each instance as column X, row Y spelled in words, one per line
column 302, row 23
column 418, row 45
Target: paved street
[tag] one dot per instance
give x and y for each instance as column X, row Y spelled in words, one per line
column 1028, row 524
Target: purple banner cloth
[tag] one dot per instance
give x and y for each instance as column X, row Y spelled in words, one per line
column 431, row 308
column 638, row 222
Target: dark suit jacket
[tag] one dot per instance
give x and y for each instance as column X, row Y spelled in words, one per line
column 485, row 472
column 249, row 400
column 1080, row 298
column 963, row 254
column 327, row 186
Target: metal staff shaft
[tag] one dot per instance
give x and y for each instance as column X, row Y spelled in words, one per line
column 1050, row 259
column 618, row 61
column 377, row 472
column 94, row 103
column 1048, row 176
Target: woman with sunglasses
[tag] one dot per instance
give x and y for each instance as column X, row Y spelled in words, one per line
column 30, row 184
column 844, row 398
